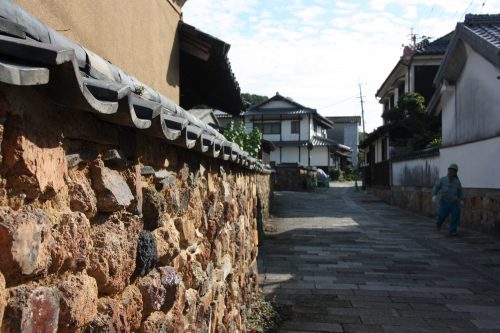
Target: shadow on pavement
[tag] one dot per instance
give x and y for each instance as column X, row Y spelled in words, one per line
column 344, row 261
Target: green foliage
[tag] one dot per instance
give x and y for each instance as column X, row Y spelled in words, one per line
column 393, row 114
column 338, row 175
column 249, row 142
column 335, row 174
column 410, row 105
column 422, row 129
column 350, row 175
column 437, row 142
column 253, row 99
column 139, row 90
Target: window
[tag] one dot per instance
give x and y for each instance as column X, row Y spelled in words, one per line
column 269, row 128
column 384, row 149
column 401, row 90
column 295, row 126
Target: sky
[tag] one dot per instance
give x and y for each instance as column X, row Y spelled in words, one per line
column 320, row 52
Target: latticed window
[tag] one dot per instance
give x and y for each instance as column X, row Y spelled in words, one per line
column 269, row 128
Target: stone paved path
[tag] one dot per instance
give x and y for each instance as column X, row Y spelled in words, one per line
column 346, row 262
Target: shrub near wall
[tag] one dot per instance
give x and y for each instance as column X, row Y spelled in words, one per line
column 105, row 229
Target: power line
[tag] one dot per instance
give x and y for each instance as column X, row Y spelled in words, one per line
column 338, row 102
column 427, row 18
column 482, row 6
column 466, row 9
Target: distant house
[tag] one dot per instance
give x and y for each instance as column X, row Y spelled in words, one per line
column 225, row 118
column 298, row 132
column 468, row 101
column 414, row 72
column 345, row 131
column 207, row 116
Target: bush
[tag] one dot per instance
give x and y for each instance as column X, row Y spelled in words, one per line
column 350, row 175
column 435, row 143
column 335, row 174
column 249, row 142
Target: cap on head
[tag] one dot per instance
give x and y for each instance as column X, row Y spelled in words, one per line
column 453, row 166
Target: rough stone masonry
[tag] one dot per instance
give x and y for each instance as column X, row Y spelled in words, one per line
column 104, row 229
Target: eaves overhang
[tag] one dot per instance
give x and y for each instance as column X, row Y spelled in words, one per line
column 34, row 55
column 206, row 77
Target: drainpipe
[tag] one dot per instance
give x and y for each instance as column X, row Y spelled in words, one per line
column 281, row 140
column 300, row 120
column 309, row 150
column 390, row 164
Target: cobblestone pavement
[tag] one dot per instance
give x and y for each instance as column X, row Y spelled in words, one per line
column 344, row 261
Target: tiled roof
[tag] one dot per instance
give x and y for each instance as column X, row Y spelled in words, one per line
column 345, row 119
column 205, row 115
column 296, row 109
column 377, row 133
column 438, row 46
column 83, row 81
column 279, row 97
column 221, row 114
column 425, row 48
column 278, row 111
column 482, row 34
column 319, row 141
column 485, row 26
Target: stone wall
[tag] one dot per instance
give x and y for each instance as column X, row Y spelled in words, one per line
column 480, row 212
column 292, row 177
column 105, row 229
column 384, row 193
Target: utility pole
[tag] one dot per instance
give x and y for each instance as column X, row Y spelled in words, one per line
column 362, row 109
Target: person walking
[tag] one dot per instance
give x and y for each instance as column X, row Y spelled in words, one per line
column 451, row 195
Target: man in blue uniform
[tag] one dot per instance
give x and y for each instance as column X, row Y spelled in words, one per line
column 451, row 195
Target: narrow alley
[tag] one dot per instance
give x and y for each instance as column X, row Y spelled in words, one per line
column 344, row 261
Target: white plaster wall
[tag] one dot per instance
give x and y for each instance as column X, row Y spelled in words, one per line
column 303, row 156
column 290, row 154
column 478, row 163
column 418, row 172
column 448, row 119
column 378, row 149
column 478, row 100
column 305, row 133
column 319, row 156
column 275, row 156
column 277, row 105
column 286, row 130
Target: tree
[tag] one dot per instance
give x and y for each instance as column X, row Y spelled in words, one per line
column 249, row 142
column 252, row 99
column 424, row 129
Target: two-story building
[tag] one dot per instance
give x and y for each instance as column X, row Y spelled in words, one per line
column 298, row 132
column 414, row 72
column 345, row 131
column 468, row 101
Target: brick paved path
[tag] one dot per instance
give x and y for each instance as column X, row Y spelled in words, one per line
column 346, row 262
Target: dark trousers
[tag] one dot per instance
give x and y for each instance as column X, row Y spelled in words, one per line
column 445, row 209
